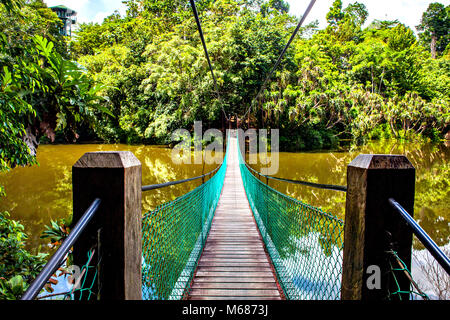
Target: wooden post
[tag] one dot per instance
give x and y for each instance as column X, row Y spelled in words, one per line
column 372, row 227
column 115, row 178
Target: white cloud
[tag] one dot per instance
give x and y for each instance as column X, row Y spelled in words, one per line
column 100, row 16
column 406, row 11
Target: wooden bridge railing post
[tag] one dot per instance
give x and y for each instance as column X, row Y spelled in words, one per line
column 115, row 178
column 372, row 227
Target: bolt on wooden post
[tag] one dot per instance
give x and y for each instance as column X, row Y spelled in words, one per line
column 372, row 227
column 115, row 178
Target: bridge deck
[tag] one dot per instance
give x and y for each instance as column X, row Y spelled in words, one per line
column 234, row 264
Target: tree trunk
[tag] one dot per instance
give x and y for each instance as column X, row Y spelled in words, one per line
column 31, row 140
column 433, row 46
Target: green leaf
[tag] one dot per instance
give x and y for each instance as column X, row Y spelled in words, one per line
column 104, row 110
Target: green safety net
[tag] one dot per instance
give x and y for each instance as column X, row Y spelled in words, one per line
column 174, row 235
column 304, row 243
column 399, row 269
column 85, row 286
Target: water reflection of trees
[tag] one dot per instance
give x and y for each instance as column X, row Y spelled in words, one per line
column 303, row 241
column 432, row 180
column 38, row 194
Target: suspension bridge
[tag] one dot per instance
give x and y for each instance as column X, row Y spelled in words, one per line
column 234, row 236
column 231, row 247
column 234, row 263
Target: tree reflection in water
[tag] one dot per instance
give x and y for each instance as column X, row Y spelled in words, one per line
column 432, row 163
column 37, row 194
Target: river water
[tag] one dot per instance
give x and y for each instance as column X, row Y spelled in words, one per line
column 37, row 194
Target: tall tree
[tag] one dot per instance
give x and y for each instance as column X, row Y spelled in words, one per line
column 274, row 5
column 335, row 14
column 41, row 91
column 435, row 28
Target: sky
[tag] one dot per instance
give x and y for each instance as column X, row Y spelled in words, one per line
column 408, row 12
column 91, row 10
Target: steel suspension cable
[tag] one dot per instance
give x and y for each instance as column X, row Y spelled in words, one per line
column 310, row 6
column 200, row 31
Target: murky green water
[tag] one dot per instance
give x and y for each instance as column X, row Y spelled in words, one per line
column 432, row 163
column 37, row 194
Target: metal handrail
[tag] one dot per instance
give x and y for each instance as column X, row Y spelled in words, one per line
column 424, row 238
column 306, row 183
column 57, row 259
column 171, row 183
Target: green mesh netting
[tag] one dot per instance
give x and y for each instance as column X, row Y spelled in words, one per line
column 304, row 243
column 86, row 286
column 399, row 269
column 174, row 235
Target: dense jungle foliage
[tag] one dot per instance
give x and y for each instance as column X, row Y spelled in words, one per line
column 344, row 82
column 136, row 78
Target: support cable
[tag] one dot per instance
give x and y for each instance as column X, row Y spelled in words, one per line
column 310, row 6
column 200, row 31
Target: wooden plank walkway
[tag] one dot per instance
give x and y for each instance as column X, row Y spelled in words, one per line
column 234, row 264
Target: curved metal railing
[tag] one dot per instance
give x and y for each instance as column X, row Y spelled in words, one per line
column 424, row 238
column 58, row 258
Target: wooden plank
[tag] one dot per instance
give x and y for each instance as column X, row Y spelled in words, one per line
column 234, row 233
column 233, row 298
column 243, row 260
column 255, row 274
column 249, row 244
column 235, row 292
column 214, row 239
column 209, row 279
column 242, row 268
column 233, row 226
column 238, row 228
column 232, row 262
column 235, row 257
column 234, row 237
column 217, row 247
column 233, row 265
column 235, row 285
column 235, row 247
column 232, row 256
column 230, row 241
column 234, row 252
